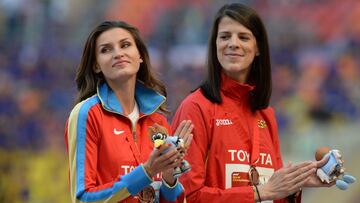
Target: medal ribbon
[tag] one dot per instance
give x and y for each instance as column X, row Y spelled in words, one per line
column 255, row 151
column 134, row 148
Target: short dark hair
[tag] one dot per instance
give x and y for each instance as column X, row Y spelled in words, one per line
column 86, row 78
column 260, row 73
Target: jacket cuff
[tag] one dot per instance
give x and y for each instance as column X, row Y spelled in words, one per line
column 146, row 172
column 136, row 180
column 170, row 193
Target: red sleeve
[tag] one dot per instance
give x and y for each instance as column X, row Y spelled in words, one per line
column 194, row 182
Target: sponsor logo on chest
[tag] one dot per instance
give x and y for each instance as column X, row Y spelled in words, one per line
column 128, row 168
column 118, row 132
column 225, row 121
column 244, row 156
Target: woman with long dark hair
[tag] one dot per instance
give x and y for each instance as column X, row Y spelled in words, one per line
column 235, row 153
column 111, row 156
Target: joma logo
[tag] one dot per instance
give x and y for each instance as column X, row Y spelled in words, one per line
column 223, row 122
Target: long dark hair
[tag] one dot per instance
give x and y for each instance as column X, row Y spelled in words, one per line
column 86, row 78
column 260, row 73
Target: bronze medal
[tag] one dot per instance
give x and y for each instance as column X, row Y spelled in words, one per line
column 147, row 195
column 254, row 176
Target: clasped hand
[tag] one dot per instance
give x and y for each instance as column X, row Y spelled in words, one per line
column 164, row 159
column 291, row 178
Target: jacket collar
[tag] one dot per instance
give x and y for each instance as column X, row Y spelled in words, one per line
column 147, row 99
column 235, row 89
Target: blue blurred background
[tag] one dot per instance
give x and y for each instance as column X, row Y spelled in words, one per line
column 315, row 49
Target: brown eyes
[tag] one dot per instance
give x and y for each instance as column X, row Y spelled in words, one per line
column 224, row 37
column 245, row 38
column 241, row 37
column 104, row 50
column 125, row 45
column 108, row 48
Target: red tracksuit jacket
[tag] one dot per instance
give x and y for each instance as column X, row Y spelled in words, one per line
column 105, row 160
column 220, row 153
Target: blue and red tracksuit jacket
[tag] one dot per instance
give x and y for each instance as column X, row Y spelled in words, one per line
column 106, row 152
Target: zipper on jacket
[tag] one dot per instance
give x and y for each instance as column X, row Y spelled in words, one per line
column 134, row 135
column 133, row 128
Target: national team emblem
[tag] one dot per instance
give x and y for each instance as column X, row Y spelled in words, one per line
column 261, row 124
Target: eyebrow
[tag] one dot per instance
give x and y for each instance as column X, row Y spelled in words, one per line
column 242, row 33
column 106, row 44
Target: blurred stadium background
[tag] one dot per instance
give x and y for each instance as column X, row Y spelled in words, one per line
column 315, row 46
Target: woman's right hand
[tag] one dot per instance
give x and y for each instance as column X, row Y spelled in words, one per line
column 160, row 160
column 287, row 180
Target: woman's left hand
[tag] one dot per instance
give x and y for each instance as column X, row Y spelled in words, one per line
column 184, row 131
column 314, row 180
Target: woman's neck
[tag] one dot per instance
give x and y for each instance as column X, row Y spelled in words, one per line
column 240, row 76
column 125, row 93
